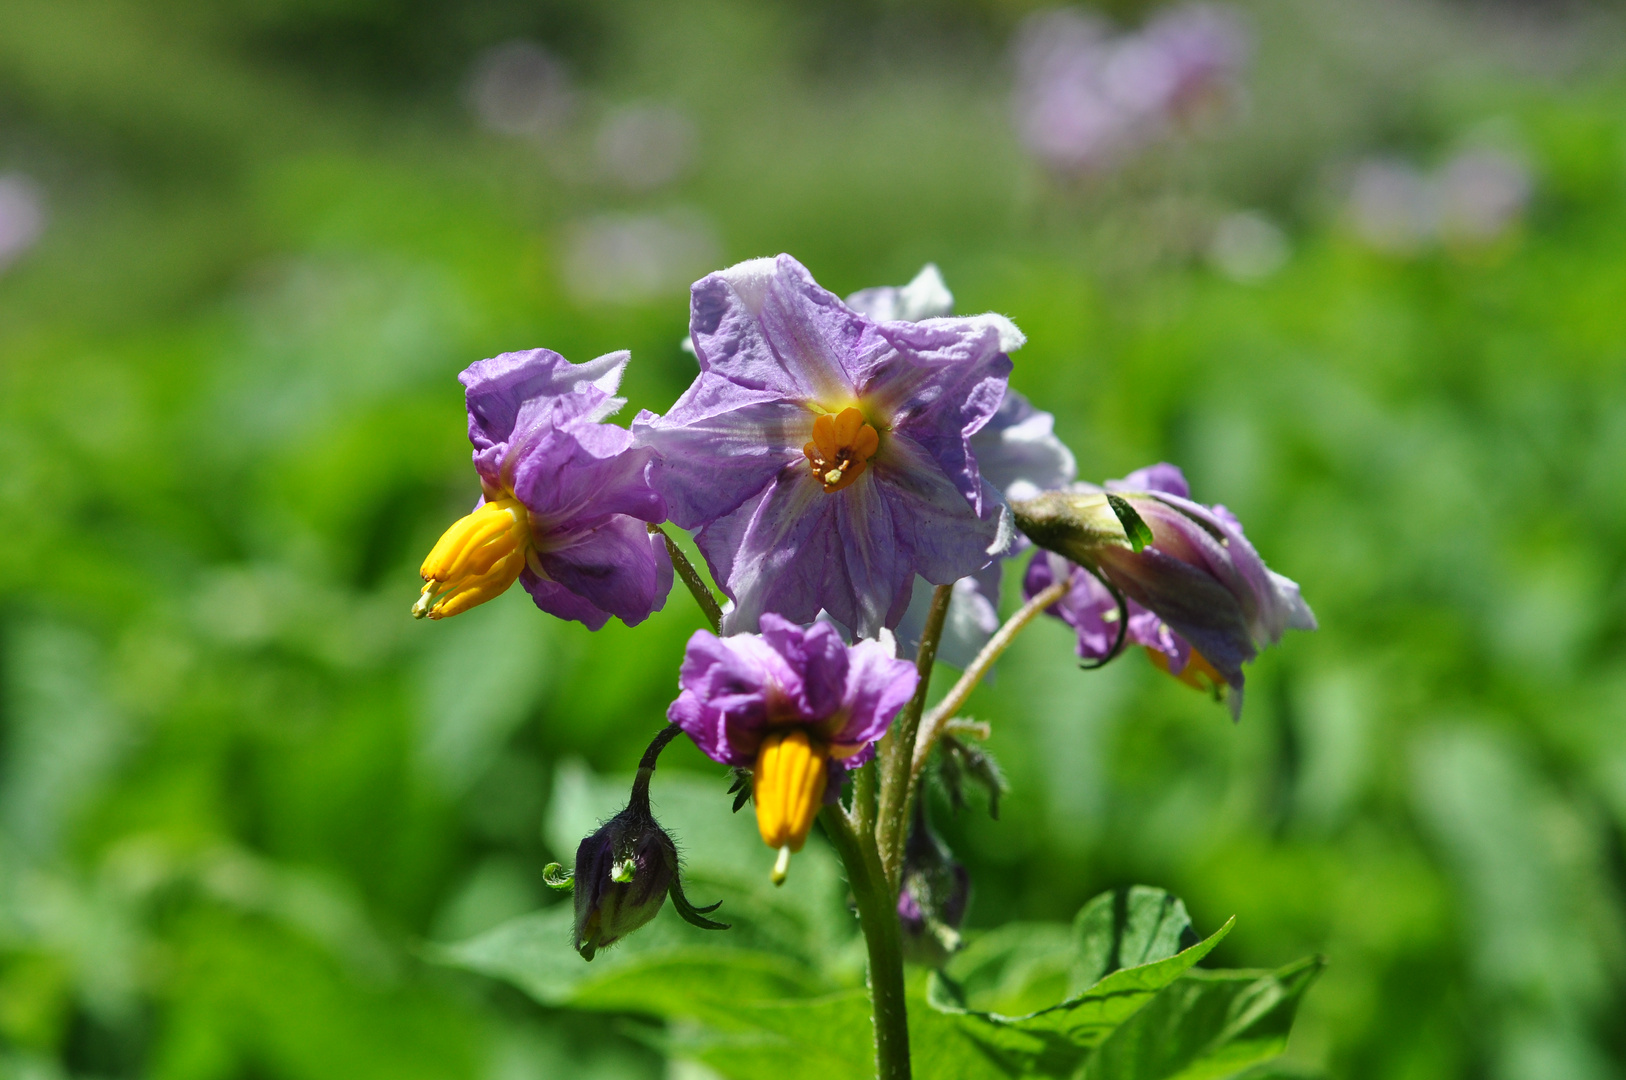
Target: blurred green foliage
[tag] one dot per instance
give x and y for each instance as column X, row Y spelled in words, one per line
column 240, row 789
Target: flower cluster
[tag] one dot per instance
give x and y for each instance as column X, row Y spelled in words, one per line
column 1087, row 99
column 855, row 473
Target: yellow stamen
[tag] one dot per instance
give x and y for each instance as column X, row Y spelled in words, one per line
column 841, row 448
column 474, row 560
column 788, row 789
column 1198, row 673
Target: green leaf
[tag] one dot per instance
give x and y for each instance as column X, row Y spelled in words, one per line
column 1056, row 1040
column 1127, row 928
column 1209, row 1024
column 1136, row 529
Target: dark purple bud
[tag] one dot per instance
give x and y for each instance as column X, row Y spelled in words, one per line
column 623, row 873
column 933, row 896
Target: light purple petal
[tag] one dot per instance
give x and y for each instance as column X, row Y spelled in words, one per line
column 773, row 330
column 878, row 686
column 1018, row 453
column 719, row 445
column 561, row 603
column 945, row 538
column 1162, row 477
column 617, row 565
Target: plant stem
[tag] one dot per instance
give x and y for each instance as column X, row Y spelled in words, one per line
column 691, row 577
column 878, row 919
column 932, row 727
column 897, row 749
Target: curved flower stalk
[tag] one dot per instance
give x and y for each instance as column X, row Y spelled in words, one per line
column 796, row 706
column 565, row 509
column 1017, row 453
column 1197, row 595
column 825, row 457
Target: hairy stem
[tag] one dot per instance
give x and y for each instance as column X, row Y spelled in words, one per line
column 932, row 727
column 897, row 749
column 878, row 919
column 691, row 577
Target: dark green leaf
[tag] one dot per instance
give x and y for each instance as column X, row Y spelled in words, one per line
column 1208, row 1024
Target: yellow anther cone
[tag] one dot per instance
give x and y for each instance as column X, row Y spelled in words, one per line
column 789, row 790
column 478, row 558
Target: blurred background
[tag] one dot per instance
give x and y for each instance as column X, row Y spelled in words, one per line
column 1359, row 268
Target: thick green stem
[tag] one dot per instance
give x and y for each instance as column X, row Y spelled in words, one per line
column 691, row 577
column 898, row 748
column 878, row 919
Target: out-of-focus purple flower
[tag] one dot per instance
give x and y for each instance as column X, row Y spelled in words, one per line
column 1017, row 452
column 1085, row 99
column 793, row 704
column 1473, row 199
column 22, row 217
column 645, row 146
column 635, row 258
column 1392, row 206
column 565, row 503
column 519, row 88
column 1199, row 598
column 825, row 457
column 1482, row 193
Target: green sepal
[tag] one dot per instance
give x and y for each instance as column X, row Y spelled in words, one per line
column 694, row 916
column 555, row 876
column 1136, row 530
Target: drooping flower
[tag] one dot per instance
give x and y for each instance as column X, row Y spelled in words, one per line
column 564, row 507
column 825, row 457
column 1018, row 454
column 795, row 705
column 1198, row 596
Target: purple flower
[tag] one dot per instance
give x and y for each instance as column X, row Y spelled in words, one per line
column 1017, row 452
column 565, row 504
column 825, row 457
column 1085, row 100
column 1199, row 598
column 787, row 703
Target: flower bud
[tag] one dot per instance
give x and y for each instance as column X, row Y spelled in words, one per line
column 623, row 873
column 933, row 895
column 1081, row 524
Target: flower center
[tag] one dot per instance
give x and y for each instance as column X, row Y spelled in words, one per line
column 841, row 448
column 474, row 560
column 788, row 780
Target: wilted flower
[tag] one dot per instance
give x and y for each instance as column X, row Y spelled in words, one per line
column 795, row 706
column 1086, row 99
column 1198, row 596
column 564, row 505
column 825, row 457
